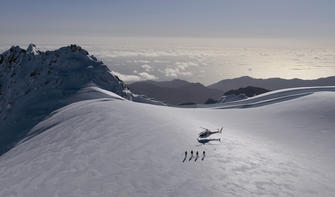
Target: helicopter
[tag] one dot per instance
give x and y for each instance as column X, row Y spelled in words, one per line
column 206, row 132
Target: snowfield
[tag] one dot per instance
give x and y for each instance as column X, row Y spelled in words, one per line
column 109, row 146
column 72, row 128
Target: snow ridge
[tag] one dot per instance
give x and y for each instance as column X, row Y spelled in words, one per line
column 34, row 83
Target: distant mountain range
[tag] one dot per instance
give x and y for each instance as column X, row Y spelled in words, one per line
column 178, row 91
column 270, row 84
column 175, row 92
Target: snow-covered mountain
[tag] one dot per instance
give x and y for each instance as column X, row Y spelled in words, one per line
column 114, row 147
column 89, row 140
column 34, row 83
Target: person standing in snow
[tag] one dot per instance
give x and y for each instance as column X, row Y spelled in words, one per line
column 185, row 156
column 191, row 155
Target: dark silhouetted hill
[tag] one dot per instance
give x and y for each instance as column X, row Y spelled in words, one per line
column 175, row 92
column 249, row 91
column 270, row 84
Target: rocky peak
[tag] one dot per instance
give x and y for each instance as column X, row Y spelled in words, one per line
column 34, row 83
column 32, row 49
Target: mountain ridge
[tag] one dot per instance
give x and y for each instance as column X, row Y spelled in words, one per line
column 178, row 91
column 175, row 92
column 270, row 83
column 34, row 83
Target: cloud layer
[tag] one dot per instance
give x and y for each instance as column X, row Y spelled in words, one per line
column 208, row 65
column 211, row 64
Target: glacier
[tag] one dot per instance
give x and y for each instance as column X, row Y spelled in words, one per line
column 101, row 143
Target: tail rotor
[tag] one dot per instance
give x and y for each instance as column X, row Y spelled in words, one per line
column 220, row 130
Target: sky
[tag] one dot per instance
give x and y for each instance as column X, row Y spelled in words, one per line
column 180, row 31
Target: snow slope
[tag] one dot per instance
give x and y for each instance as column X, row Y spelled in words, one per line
column 114, row 147
column 35, row 83
column 270, row 97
